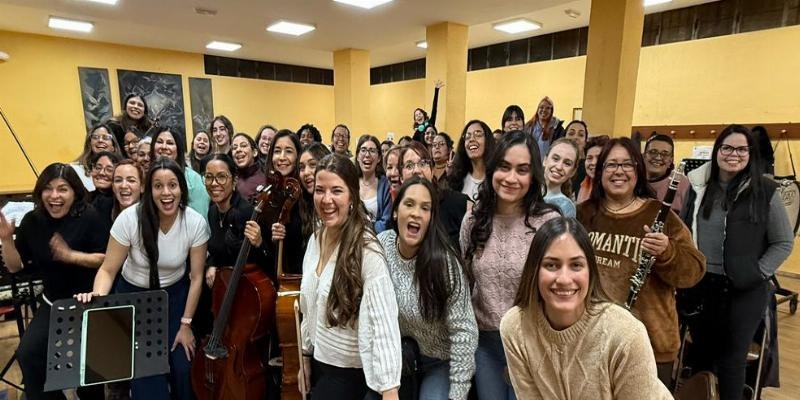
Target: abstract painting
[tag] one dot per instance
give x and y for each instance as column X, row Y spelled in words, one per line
column 202, row 103
column 95, row 95
column 162, row 92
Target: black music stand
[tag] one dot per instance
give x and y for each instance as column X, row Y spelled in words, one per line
column 151, row 347
column 22, row 294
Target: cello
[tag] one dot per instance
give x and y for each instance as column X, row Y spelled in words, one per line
column 288, row 293
column 229, row 364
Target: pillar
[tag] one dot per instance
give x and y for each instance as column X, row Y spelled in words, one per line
column 351, row 92
column 446, row 60
column 612, row 65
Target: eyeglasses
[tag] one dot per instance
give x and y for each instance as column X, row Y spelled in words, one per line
column 477, row 135
column 612, row 166
column 409, row 166
column 653, row 153
column 439, row 144
column 133, row 142
column 99, row 168
column 340, row 137
column 220, row 178
column 367, row 151
column 728, row 150
column 101, row 136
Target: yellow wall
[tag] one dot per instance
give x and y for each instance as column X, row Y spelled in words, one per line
column 392, row 106
column 40, row 94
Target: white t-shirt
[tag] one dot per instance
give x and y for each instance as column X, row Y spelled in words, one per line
column 189, row 230
column 471, row 187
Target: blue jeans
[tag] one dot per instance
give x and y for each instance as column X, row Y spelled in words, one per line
column 179, row 377
column 490, row 368
column 434, row 379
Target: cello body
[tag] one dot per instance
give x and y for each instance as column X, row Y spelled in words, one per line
column 240, row 375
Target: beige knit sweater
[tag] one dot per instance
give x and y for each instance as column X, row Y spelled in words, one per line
column 605, row 355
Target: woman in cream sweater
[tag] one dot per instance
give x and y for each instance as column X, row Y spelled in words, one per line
column 563, row 339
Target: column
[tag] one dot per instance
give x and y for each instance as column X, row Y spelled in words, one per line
column 446, row 60
column 612, row 65
column 351, row 92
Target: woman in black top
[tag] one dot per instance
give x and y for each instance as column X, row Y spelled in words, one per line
column 58, row 240
column 102, row 198
column 228, row 217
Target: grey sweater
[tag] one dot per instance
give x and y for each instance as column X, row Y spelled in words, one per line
column 454, row 339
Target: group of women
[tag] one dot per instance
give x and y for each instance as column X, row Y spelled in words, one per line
column 485, row 272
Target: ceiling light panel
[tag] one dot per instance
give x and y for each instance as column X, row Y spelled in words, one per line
column 648, row 3
column 290, row 28
column 366, row 4
column 422, row 45
column 517, row 26
column 70, row 25
column 223, row 46
column 109, row 2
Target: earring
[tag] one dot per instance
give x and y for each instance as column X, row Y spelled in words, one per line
column 351, row 206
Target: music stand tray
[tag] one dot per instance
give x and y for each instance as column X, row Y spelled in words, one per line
column 151, row 351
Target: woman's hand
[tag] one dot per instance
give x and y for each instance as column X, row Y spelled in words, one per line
column 185, row 338
column 253, row 233
column 391, row 394
column 61, row 250
column 211, row 273
column 85, row 297
column 439, row 84
column 654, row 243
column 7, row 228
column 304, row 376
column 278, row 232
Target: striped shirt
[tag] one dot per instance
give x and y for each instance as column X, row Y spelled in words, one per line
column 374, row 344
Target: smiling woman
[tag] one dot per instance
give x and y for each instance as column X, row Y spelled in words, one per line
column 169, row 143
column 249, row 175
column 374, row 186
column 561, row 306
column 98, row 139
column 102, row 198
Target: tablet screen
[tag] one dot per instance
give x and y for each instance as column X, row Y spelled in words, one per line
column 107, row 345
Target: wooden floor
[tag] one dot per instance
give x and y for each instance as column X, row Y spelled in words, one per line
column 788, row 331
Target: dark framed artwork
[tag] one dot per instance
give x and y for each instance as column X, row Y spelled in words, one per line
column 162, row 92
column 95, row 95
column 202, row 103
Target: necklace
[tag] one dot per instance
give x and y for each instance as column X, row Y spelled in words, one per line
column 368, row 184
column 222, row 217
column 616, row 210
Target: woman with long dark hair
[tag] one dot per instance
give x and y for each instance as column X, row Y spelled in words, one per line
column 249, row 175
column 421, row 120
column 60, row 239
column 592, row 151
column 473, row 150
column 350, row 333
column 135, row 116
column 738, row 221
column 513, row 119
column 102, row 198
column 168, row 142
column 264, row 140
column 415, row 160
column 562, row 313
column 432, row 293
column 618, row 216
column 151, row 244
column 372, row 182
column 309, row 159
column 221, row 130
column 391, row 165
column 202, row 145
column 441, row 151
column 98, row 139
column 578, row 132
column 495, row 237
column 309, row 134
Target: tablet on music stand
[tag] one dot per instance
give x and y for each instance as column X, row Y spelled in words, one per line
column 107, row 345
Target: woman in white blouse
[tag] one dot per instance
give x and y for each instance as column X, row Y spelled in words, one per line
column 350, row 331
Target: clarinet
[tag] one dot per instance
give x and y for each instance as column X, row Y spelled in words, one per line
column 647, row 260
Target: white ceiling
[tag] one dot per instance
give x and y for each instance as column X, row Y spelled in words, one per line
column 389, row 31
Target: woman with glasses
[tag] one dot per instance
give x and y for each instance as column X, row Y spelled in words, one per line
column 249, row 175
column 441, row 150
column 131, row 141
column 658, row 160
column 469, row 167
column 495, row 238
column 98, row 139
column 264, row 140
column 102, row 198
column 416, row 161
column 373, row 185
column 739, row 222
column 340, row 140
column 618, row 216
column 544, row 126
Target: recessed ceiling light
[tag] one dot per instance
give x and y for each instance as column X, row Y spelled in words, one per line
column 224, row 46
column 205, row 11
column 70, row 25
column 572, row 13
column 363, row 3
column 290, row 28
column 109, row 2
column 517, row 26
column 422, row 45
column 648, row 3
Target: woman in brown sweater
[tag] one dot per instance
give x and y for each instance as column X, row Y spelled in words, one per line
column 563, row 339
column 618, row 216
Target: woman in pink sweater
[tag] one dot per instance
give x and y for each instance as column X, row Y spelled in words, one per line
column 563, row 338
column 495, row 237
